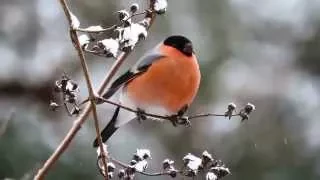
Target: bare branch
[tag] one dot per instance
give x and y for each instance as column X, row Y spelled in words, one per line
column 84, row 115
column 4, row 124
column 75, row 40
column 88, row 30
column 160, row 116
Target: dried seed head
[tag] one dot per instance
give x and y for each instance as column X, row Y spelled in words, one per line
column 145, row 23
column 160, row 6
column 142, row 154
column 172, row 173
column 220, row 171
column 191, row 173
column 83, row 40
column 76, row 110
column 110, row 47
column 206, row 158
column 134, row 8
column 130, row 170
column 167, row 163
column 53, row 106
column 123, row 15
column 110, row 175
column 232, row 106
column 211, row 176
column 141, row 166
column 244, row 116
column 230, row 110
column 111, row 167
column 133, row 162
column 121, row 173
column 249, row 108
column 193, row 163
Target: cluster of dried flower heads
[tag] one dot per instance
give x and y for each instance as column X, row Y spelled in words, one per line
column 192, row 166
column 125, row 35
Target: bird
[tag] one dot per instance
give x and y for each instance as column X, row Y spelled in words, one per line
column 164, row 81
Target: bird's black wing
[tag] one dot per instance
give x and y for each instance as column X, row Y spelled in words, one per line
column 109, row 129
column 141, row 67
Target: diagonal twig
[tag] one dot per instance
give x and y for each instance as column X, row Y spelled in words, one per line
column 75, row 40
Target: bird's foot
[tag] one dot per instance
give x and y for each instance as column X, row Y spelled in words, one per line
column 141, row 115
column 180, row 120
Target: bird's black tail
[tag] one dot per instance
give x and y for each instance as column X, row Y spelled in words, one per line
column 109, row 129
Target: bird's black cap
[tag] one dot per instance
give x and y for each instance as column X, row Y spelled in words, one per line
column 181, row 43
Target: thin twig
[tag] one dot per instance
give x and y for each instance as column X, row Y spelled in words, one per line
column 88, row 30
column 160, row 116
column 75, row 40
column 4, row 124
column 209, row 114
column 83, row 116
column 94, row 52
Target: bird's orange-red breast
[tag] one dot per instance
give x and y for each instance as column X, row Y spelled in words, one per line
column 163, row 82
column 171, row 82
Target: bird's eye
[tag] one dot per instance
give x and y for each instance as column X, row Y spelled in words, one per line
column 188, row 49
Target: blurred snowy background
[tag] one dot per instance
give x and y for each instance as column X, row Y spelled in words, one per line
column 265, row 51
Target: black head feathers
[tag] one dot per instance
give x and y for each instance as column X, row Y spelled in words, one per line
column 181, row 43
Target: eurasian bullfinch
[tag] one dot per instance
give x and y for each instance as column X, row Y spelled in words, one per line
column 163, row 82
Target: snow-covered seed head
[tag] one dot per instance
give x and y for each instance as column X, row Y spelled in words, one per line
column 191, row 173
column 129, row 36
column 141, row 166
column 220, row 171
column 193, row 163
column 121, row 173
column 111, row 167
column 231, row 109
column 57, row 86
column 190, row 157
column 53, row 105
column 134, row 8
column 160, row 6
column 75, row 23
column 130, row 170
column 123, row 15
column 249, row 108
column 71, row 86
column 211, row 176
column 142, row 154
column 206, row 158
column 145, row 23
column 75, row 111
column 110, row 175
column 111, row 47
column 133, row 162
column 231, row 106
column 127, row 23
column 172, row 173
column 167, row 163
column 84, row 40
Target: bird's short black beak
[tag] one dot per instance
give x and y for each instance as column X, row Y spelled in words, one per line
column 188, row 49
